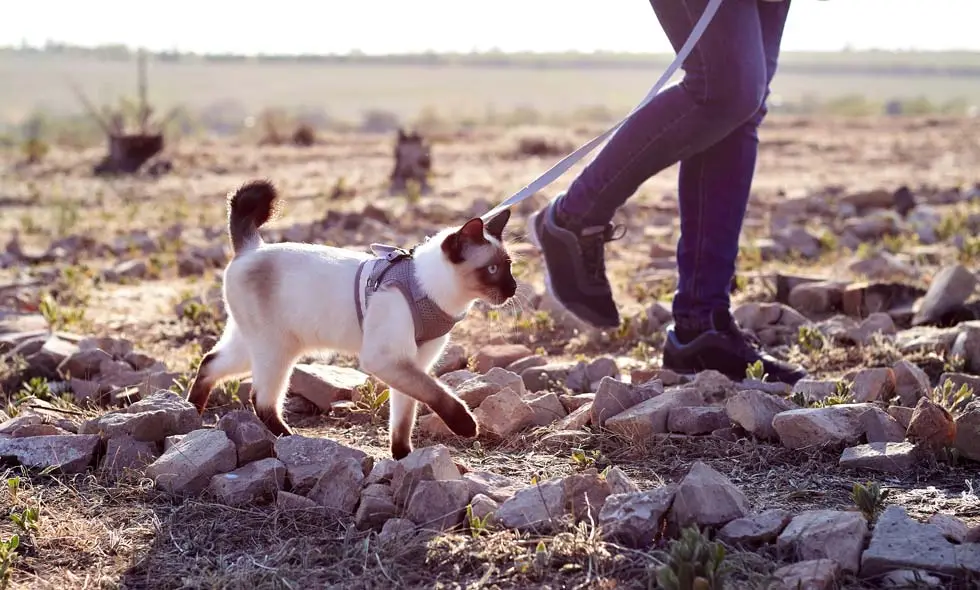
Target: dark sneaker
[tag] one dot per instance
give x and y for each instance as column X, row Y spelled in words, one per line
column 575, row 266
column 725, row 349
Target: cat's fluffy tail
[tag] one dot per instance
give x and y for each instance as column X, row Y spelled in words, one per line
column 255, row 203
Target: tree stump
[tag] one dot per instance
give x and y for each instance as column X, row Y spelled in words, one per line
column 128, row 153
column 413, row 162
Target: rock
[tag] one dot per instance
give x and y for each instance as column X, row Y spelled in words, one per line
column 381, row 472
column 124, row 453
column 814, row 427
column 474, row 391
column 614, row 397
column 647, row 418
column 826, row 534
column 53, row 352
column 152, row 419
column 754, row 411
column 797, row 239
column 967, row 440
column 873, row 384
column 966, row 346
column 619, row 482
column 432, row 425
column 957, row 381
column 503, row 378
column 534, row 508
column 307, row 459
column 252, row 439
column 83, row 364
column 757, row 528
column 187, row 467
column 339, row 486
column 813, row 574
column 397, row 530
column 816, row 297
column 325, row 384
column 496, row 487
column 547, row 408
column 373, row 511
column 577, row 419
column 879, row 427
column 503, row 414
column 951, row 287
column 11, row 426
column 886, row 457
column 67, row 454
column 546, row 377
column 255, row 483
column 289, row 501
column 713, row 386
column 40, row 429
column 902, row 415
column 695, row 420
column 954, row 529
column 438, row 504
column 635, row 519
column 911, row 382
column 875, row 325
column 483, row 507
column 600, row 368
column 426, row 464
column 129, row 269
column 585, row 493
column 500, row 355
column 707, row 498
column 931, row 425
column 574, row 402
column 453, row 358
column 899, row 542
column 456, row 378
column 521, row 365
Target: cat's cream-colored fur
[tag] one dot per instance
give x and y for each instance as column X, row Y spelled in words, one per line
column 290, row 299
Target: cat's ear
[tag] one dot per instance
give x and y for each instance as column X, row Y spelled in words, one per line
column 495, row 225
column 401, row 134
column 472, row 232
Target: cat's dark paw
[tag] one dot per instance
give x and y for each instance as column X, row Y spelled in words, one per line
column 460, row 420
column 273, row 422
column 400, row 450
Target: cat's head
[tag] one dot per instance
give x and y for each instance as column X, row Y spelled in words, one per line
column 480, row 259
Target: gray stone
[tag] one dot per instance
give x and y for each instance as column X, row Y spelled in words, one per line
column 438, row 504
column 642, row 421
column 951, row 286
column 614, row 397
column 307, row 459
column 187, row 467
column 757, row 528
column 547, row 408
column 754, row 411
column 339, row 486
column 814, row 427
column 826, row 534
column 496, row 487
column 68, row 454
column 536, row 508
column 125, row 453
column 899, row 542
column 433, row 463
column 695, row 420
column 884, row 457
column 813, row 574
column 707, row 498
column 634, row 519
column 253, row 441
column 255, row 483
column 325, row 384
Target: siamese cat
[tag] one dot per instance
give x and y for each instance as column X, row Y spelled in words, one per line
column 289, row 299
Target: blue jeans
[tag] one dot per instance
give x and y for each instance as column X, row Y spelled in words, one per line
column 709, row 123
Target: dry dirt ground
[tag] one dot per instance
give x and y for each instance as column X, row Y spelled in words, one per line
column 95, row 534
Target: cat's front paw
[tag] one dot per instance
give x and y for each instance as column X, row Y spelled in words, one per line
column 460, row 420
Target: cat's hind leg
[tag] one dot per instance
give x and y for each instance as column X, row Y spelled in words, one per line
column 229, row 358
column 272, row 366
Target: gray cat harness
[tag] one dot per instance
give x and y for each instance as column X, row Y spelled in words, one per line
column 395, row 267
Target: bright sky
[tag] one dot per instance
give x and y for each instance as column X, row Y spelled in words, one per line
column 395, row 26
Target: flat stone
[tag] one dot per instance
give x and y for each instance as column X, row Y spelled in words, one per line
column 255, row 483
column 613, row 397
column 438, row 504
column 707, row 498
column 695, row 420
column 536, row 508
column 647, row 418
column 307, row 459
column 756, row 528
column 884, row 457
column 826, row 534
column 339, row 487
column 814, row 427
column 813, row 574
column 72, row 453
column 187, row 467
column 634, row 519
column 325, row 384
column 124, row 453
column 547, row 408
column 899, row 542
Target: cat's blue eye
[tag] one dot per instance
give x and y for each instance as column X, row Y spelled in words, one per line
column 492, row 269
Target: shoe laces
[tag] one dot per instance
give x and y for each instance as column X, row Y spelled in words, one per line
column 592, row 241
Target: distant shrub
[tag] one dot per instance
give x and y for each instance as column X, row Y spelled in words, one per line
column 379, row 121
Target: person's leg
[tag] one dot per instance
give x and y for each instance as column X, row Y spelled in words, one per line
column 714, row 189
column 723, row 86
